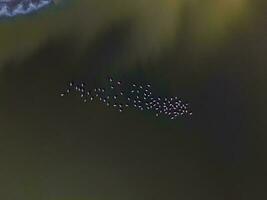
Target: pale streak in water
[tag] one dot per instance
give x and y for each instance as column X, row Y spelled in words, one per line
column 12, row 8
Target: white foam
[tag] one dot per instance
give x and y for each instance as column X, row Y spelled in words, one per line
column 6, row 11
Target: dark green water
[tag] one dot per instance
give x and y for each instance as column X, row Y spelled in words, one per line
column 209, row 52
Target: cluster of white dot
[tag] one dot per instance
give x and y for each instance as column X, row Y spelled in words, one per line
column 11, row 8
column 122, row 97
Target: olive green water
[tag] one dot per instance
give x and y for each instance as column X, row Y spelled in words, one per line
column 211, row 53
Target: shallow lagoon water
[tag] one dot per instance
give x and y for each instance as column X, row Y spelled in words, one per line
column 155, row 25
column 212, row 53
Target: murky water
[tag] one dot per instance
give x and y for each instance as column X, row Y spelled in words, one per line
column 156, row 25
column 209, row 52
